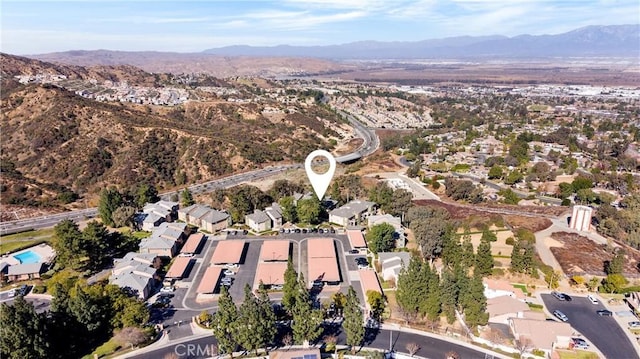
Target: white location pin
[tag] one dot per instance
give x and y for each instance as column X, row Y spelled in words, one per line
column 320, row 182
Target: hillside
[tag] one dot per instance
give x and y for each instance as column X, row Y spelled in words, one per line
column 11, row 65
column 178, row 63
column 52, row 136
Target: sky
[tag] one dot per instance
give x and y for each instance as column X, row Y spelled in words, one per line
column 193, row 26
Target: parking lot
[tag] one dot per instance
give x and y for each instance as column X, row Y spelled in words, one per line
column 604, row 332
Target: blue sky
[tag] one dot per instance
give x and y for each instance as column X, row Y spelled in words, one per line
column 184, row 26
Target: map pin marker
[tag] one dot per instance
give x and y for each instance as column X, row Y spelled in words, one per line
column 320, row 182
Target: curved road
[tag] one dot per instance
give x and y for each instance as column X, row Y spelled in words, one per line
column 370, row 144
column 429, row 347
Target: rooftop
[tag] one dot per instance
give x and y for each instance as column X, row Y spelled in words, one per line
column 275, row 251
column 229, row 251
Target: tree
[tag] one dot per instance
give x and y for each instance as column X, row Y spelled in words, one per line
column 412, row 348
column 306, row 320
column 224, row 322
column 432, row 303
column 508, row 196
column 267, row 325
column 400, row 202
column 131, row 336
column 123, row 216
column 145, row 193
column 474, row 303
column 186, row 198
column 110, row 200
column 381, row 238
column 290, row 287
column 430, row 235
column 88, row 309
column 616, row 264
column 68, row 243
column 411, row 287
column 522, row 257
column 288, row 209
column 353, row 320
column 484, row 259
column 284, row 188
column 449, row 294
column 23, row 332
column 309, row 210
column 593, row 283
column 495, row 172
column 523, row 345
column 246, row 327
column 96, row 241
column 552, row 278
column 613, row 283
column 513, row 177
column 376, row 303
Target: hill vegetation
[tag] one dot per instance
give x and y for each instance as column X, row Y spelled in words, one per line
column 57, row 142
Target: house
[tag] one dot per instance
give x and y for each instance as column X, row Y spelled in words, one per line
column 136, row 272
column 25, row 271
column 156, row 213
column 392, row 263
column 205, row 217
column 351, row 213
column 496, row 288
column 275, row 214
column 542, row 334
column 396, row 222
column 502, row 308
column 165, row 239
column 258, row 221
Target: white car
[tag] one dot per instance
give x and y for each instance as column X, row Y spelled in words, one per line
column 231, row 265
column 229, row 272
column 167, row 289
column 634, row 324
column 11, row 293
column 592, row 299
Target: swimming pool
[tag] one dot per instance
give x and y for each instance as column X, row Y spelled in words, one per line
column 28, row 257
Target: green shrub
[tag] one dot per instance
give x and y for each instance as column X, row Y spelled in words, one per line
column 538, row 352
column 535, row 306
column 510, row 241
column 497, row 271
column 39, row 289
column 635, row 288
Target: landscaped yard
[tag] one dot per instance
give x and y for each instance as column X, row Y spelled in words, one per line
column 577, row 354
column 17, row 241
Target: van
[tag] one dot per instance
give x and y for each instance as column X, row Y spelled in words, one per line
column 592, row 299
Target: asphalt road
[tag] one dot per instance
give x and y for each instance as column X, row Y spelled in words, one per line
column 51, row 220
column 603, row 332
column 429, row 347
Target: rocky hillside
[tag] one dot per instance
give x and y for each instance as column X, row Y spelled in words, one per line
column 55, row 139
column 11, row 65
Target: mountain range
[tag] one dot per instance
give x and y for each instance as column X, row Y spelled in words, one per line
column 590, row 41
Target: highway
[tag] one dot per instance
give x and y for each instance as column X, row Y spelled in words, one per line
column 78, row 215
column 370, row 144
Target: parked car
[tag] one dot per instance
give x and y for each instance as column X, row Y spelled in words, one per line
column 231, row 265
column 229, row 272
column 276, row 287
column 560, row 315
column 592, row 299
column 23, row 290
column 634, row 324
column 332, row 230
column 226, row 281
column 558, row 295
column 567, row 297
column 579, row 343
column 167, row 289
column 354, row 251
column 11, row 293
column 605, row 313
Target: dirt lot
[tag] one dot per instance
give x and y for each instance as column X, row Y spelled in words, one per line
column 579, row 255
column 479, row 215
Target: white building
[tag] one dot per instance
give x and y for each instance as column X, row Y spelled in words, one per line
column 581, row 218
